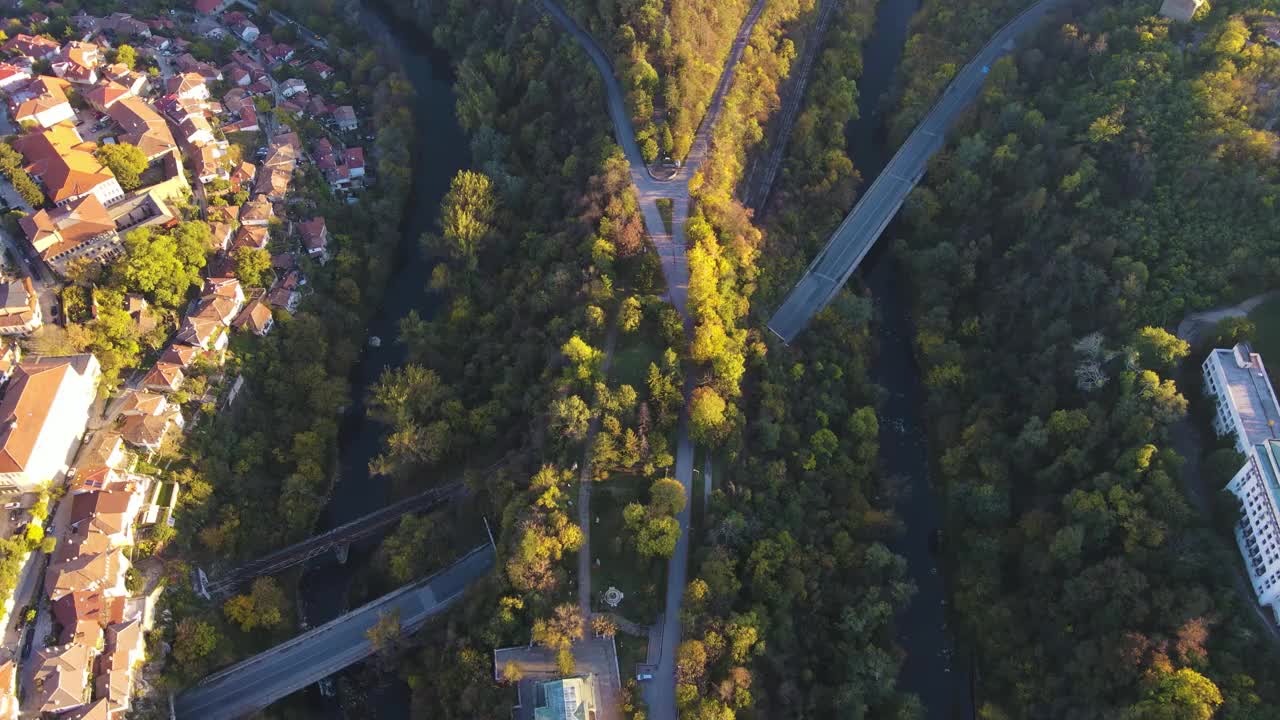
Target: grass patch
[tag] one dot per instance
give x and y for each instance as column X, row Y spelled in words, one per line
column 619, row 565
column 632, row 651
column 665, row 209
column 1266, row 338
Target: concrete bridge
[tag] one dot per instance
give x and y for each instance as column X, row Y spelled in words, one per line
column 851, row 242
column 255, row 683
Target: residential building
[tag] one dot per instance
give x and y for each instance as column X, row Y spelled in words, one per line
column 80, row 229
column 251, row 236
column 66, row 167
column 32, row 46
column 109, row 512
column 273, row 184
column 61, row 673
column 202, row 333
column 41, row 101
column 19, row 308
column 124, row 650
column 105, row 94
column 180, row 355
column 1180, row 10
column 256, row 318
column 77, row 62
column 1245, row 404
column 344, row 118
column 142, row 126
column 94, row 569
column 256, row 212
column 82, row 615
column 315, row 239
column 43, row 416
column 163, row 377
column 148, row 431
column 354, row 159
column 8, row 690
column 188, row 86
column 11, row 76
column 136, row 82
column 292, row 87
column 97, row 710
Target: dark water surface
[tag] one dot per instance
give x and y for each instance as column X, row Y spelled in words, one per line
column 931, row 671
column 442, row 149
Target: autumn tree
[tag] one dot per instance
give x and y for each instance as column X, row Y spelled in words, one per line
column 467, row 217
column 125, row 161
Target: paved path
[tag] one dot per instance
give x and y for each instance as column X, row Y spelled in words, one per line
column 254, row 684
column 585, row 480
column 660, row 693
column 862, row 227
column 1195, row 323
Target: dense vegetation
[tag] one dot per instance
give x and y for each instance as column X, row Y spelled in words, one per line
column 669, row 57
column 1113, row 177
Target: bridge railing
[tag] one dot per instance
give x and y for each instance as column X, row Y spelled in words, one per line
column 320, row 544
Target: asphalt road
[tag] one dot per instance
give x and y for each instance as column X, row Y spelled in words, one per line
column 862, row 227
column 264, row 678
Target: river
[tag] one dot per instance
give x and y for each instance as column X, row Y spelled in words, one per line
column 932, row 671
column 441, row 151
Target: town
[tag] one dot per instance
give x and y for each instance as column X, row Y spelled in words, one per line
column 151, row 169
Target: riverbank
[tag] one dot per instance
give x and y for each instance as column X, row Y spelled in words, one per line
column 933, row 669
column 441, row 151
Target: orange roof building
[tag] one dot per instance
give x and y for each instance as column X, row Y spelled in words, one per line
column 43, row 101
column 42, row 417
column 81, row 228
column 142, row 126
column 65, row 165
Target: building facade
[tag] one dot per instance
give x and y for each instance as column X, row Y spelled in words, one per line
column 43, row 413
column 1245, row 408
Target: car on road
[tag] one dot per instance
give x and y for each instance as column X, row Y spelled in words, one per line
column 644, row 676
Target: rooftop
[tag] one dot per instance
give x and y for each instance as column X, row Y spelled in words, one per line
column 1251, row 393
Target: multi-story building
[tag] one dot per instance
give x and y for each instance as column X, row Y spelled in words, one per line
column 43, row 415
column 1245, row 407
column 66, row 167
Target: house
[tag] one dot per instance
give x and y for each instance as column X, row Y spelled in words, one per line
column 103, row 570
column 228, row 288
column 244, row 29
column 1180, row 10
column 163, row 377
column 98, row 461
column 344, row 118
column 207, row 162
column 281, row 155
column 19, row 307
column 354, row 159
column 149, row 431
column 10, row 356
column 188, row 86
column 43, row 414
column 124, row 650
column 32, row 46
column 42, row 101
column 177, row 110
column 126, row 25
column 97, row 710
column 277, row 54
column 273, row 184
column 66, row 167
column 202, row 333
column 141, row 209
column 243, row 174
column 105, row 94
column 238, row 76
column 80, row 229
column 573, row 697
column 257, row 211
column 320, row 68
column 315, row 238
column 255, row 317
column 180, row 355
column 142, row 402
column 220, row 235
column 109, row 512
column 227, row 214
column 120, row 74
column 11, row 76
column 292, row 87
column 61, row 673
column 212, row 307
column 77, row 62
column 251, row 236
column 143, row 127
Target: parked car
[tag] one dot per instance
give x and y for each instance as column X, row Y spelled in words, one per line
column 644, row 676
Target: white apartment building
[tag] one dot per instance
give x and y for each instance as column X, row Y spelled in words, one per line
column 1246, row 408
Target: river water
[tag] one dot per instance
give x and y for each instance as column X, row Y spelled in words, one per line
column 442, row 149
column 931, row 670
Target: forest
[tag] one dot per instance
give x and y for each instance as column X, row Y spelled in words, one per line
column 1114, row 176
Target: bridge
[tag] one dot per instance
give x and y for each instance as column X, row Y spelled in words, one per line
column 856, row 235
column 255, row 683
column 336, row 539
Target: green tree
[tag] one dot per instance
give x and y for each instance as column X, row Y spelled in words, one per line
column 667, row 496
column 570, row 417
column 1159, row 349
column 126, row 55
column 467, row 216
column 1182, row 694
column 707, row 417
column 193, row 641
column 125, row 161
column 159, row 266
column 630, row 314
column 253, row 266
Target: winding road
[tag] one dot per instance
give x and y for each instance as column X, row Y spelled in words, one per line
column 853, row 239
column 659, row 693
